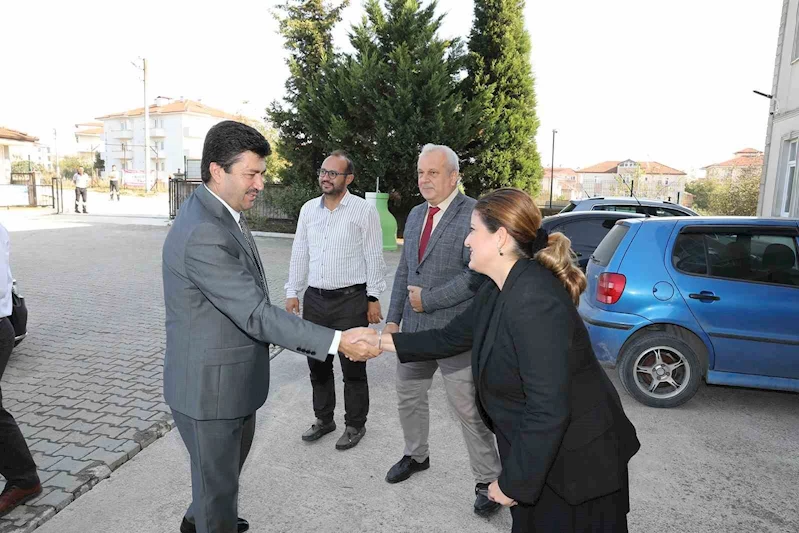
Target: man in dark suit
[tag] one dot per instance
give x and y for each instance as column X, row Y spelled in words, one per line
column 220, row 322
column 433, row 285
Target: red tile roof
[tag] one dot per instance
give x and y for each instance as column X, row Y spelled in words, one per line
column 14, row 135
column 179, row 106
column 751, row 158
column 649, row 167
column 90, row 131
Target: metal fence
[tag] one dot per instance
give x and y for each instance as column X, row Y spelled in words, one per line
column 24, row 191
column 265, row 206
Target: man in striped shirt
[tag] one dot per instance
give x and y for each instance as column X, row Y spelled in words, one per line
column 338, row 252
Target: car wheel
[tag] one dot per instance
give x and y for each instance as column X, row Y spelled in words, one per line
column 660, row 370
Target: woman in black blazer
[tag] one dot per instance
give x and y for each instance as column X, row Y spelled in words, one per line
column 563, row 437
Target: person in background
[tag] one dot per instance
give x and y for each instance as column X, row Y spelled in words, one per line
column 113, row 180
column 16, row 463
column 81, row 180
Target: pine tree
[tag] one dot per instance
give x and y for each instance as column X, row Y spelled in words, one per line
column 500, row 87
column 399, row 90
column 306, row 26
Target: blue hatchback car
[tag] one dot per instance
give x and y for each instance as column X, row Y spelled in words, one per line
column 672, row 300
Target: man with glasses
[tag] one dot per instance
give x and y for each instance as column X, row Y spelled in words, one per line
column 338, row 253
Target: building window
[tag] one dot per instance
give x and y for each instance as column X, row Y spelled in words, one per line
column 796, row 38
column 790, row 179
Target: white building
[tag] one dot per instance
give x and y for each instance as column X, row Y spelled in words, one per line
column 648, row 179
column 177, row 131
column 89, row 137
column 36, row 153
column 564, row 181
column 779, row 192
column 11, row 140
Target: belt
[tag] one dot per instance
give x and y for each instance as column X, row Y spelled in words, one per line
column 332, row 293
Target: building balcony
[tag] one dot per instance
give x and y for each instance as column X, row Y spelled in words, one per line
column 157, row 133
column 122, row 134
column 159, row 154
column 123, row 155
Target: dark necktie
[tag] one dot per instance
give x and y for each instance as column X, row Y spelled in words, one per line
column 245, row 229
column 428, row 229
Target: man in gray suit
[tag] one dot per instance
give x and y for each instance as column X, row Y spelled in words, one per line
column 220, row 322
column 433, row 285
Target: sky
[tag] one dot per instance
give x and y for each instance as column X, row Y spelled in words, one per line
column 650, row 81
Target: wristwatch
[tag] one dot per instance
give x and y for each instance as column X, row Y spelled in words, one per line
column 372, row 298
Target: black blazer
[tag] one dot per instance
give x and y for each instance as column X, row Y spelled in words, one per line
column 539, row 387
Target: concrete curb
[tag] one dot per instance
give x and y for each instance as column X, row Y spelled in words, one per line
column 55, row 498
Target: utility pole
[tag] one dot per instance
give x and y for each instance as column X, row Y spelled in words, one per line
column 146, row 132
column 55, row 139
column 143, row 68
column 552, row 170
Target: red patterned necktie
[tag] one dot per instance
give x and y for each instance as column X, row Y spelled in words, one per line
column 428, row 229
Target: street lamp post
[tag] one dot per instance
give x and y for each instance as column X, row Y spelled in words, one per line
column 55, row 139
column 552, row 170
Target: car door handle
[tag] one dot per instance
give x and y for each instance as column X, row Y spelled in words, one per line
column 704, row 296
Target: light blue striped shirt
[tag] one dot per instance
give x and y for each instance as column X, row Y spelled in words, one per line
column 337, row 249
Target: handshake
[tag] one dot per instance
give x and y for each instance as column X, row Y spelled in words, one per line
column 362, row 344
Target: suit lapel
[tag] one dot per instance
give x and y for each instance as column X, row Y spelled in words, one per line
column 441, row 227
column 220, row 211
column 413, row 233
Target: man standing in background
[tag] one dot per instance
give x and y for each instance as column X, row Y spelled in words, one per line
column 81, row 184
column 338, row 252
column 113, row 180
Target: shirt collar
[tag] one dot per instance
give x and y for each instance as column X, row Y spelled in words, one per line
column 344, row 201
column 445, row 204
column 236, row 215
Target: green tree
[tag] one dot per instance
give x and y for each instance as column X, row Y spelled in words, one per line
column 306, row 26
column 737, row 196
column 500, row 87
column 399, row 90
column 69, row 165
column 703, row 190
column 23, row 165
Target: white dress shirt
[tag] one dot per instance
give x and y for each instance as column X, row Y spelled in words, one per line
column 81, row 180
column 5, row 273
column 443, row 207
column 338, row 248
column 237, row 216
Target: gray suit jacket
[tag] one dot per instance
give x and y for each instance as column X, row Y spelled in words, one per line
column 218, row 318
column 448, row 284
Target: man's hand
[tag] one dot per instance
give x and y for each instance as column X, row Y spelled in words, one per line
column 293, row 306
column 415, row 296
column 359, row 344
column 495, row 494
column 373, row 313
column 391, row 328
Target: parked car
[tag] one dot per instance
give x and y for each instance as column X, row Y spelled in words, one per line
column 629, row 204
column 672, row 300
column 585, row 229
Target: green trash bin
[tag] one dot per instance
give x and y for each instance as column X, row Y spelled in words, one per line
column 387, row 221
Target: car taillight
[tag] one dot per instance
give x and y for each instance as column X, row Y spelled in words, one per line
column 610, row 287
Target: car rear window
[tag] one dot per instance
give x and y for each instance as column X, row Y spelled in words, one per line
column 569, row 208
column 604, row 252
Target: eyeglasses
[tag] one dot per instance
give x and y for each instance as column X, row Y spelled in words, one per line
column 332, row 173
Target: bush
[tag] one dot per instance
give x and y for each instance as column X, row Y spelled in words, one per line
column 292, row 198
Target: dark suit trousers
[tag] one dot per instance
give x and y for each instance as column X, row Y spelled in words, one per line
column 218, row 449
column 16, row 463
column 338, row 312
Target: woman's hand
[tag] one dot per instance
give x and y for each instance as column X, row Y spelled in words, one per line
column 495, row 494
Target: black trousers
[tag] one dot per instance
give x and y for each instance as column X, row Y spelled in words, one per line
column 80, row 192
column 114, row 187
column 341, row 312
column 16, row 463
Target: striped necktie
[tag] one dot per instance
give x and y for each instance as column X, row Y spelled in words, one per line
column 245, row 229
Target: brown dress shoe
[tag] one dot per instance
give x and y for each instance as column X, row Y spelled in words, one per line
column 13, row 496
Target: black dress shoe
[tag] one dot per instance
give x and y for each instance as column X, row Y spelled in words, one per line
column 318, row 430
column 405, row 468
column 482, row 505
column 189, row 527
